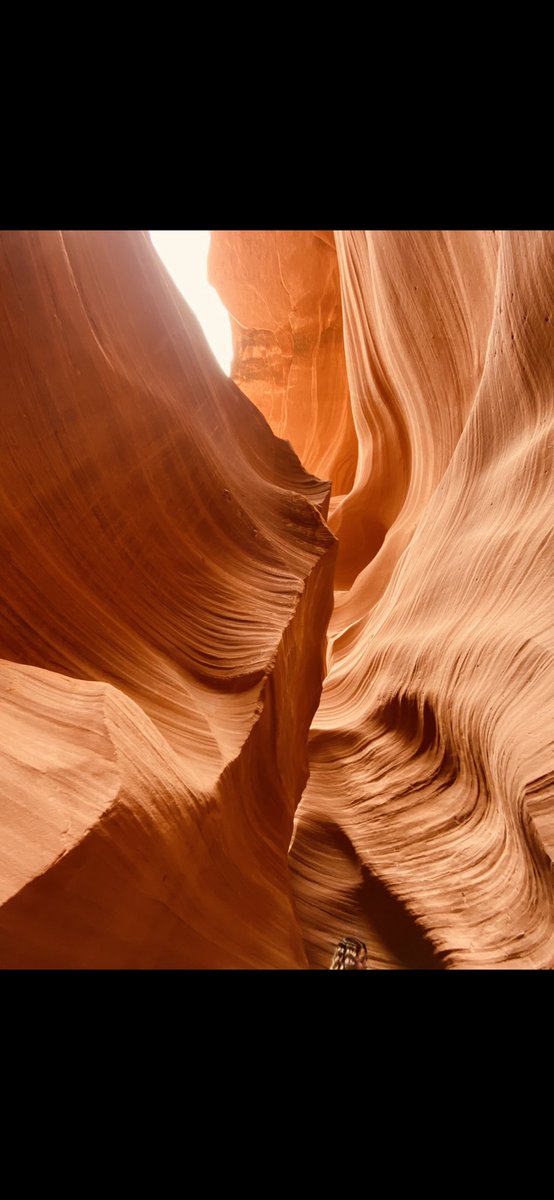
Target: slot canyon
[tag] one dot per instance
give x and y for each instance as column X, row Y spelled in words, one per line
column 277, row 649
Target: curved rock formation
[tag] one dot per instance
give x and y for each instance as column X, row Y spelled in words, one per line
column 282, row 291
column 166, row 585
column 426, row 828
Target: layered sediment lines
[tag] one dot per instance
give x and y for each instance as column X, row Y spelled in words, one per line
column 427, row 826
column 166, row 585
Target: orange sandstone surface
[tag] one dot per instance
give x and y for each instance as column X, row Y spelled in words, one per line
column 282, row 291
column 242, row 715
column 166, row 587
column 427, row 825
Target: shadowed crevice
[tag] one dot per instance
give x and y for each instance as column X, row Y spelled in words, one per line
column 396, row 927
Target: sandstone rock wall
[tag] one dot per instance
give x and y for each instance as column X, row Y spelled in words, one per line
column 166, row 586
column 427, row 824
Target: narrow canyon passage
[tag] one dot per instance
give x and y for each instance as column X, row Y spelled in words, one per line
column 277, row 650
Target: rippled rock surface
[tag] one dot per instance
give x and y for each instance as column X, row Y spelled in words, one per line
column 427, row 826
column 165, row 589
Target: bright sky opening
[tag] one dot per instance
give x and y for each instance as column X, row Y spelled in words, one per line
column 184, row 252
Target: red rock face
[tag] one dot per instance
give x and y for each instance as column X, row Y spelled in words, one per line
column 166, row 585
column 282, row 291
column 427, row 826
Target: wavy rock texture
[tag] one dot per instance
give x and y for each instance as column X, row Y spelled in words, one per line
column 166, row 585
column 427, row 826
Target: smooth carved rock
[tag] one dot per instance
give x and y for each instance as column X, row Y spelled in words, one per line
column 427, row 826
column 283, row 294
column 166, row 586
column 167, row 583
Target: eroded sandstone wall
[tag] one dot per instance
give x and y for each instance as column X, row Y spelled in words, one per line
column 427, row 823
column 282, row 290
column 166, row 586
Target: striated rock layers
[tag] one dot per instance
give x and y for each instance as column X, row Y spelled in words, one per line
column 166, row 586
column 427, row 826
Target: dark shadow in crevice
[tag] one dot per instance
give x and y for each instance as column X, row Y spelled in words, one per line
column 336, row 896
column 402, row 936
column 396, row 927
column 413, row 719
column 404, row 714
